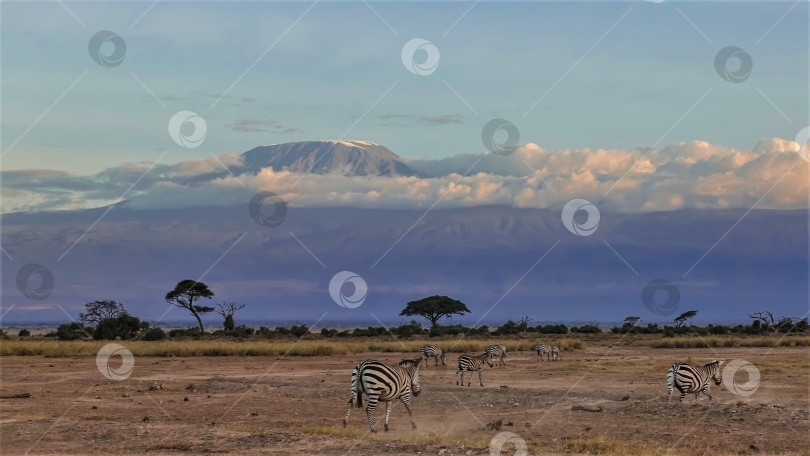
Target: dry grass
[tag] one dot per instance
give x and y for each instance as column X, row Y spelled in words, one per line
column 604, row 445
column 731, row 341
column 53, row 348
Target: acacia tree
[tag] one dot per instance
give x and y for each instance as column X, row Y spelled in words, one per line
column 681, row 319
column 184, row 294
column 101, row 310
column 433, row 308
column 631, row 321
column 227, row 309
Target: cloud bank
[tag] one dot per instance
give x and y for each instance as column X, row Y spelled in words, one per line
column 693, row 174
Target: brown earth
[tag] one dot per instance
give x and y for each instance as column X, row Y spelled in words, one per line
column 294, row 405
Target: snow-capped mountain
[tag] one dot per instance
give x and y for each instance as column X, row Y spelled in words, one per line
column 349, row 158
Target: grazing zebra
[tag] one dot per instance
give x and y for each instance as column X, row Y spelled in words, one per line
column 540, row 349
column 555, row 353
column 382, row 382
column 497, row 352
column 470, row 363
column 693, row 379
column 432, row 351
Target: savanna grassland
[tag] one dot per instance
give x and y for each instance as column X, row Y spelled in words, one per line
column 283, row 397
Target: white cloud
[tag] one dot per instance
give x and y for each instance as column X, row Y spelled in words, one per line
column 681, row 175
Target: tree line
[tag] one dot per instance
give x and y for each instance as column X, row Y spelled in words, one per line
column 109, row 320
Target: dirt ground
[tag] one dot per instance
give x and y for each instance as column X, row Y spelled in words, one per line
column 268, row 405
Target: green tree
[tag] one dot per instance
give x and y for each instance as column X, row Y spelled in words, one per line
column 681, row 319
column 227, row 310
column 124, row 326
column 72, row 331
column 433, row 308
column 24, row 333
column 184, row 294
column 100, row 310
column 631, row 321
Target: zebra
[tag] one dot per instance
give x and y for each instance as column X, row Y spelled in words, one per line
column 498, row 353
column 693, row 379
column 470, row 363
column 432, row 351
column 555, row 353
column 386, row 383
column 540, row 349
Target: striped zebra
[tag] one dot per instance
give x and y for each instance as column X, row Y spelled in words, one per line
column 382, row 382
column 498, row 353
column 432, row 351
column 540, row 349
column 471, row 363
column 693, row 379
column 555, row 353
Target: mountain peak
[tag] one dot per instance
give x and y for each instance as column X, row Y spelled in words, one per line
column 350, row 158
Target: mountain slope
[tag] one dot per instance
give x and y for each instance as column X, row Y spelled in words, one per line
column 349, row 158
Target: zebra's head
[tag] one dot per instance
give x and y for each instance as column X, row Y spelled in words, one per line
column 714, row 369
column 411, row 367
column 488, row 359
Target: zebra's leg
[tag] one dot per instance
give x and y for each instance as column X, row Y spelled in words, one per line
column 706, row 392
column 462, row 380
column 387, row 412
column 479, row 376
column 407, row 401
column 437, row 361
column 683, row 395
column 372, row 402
column 349, row 407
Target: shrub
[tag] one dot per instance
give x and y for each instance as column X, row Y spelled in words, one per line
column 124, row 326
column 241, row 332
column 190, row 332
column 72, row 331
column 587, row 329
column 554, row 329
column 24, row 333
column 153, row 334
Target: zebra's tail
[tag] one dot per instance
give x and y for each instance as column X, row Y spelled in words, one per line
column 670, row 380
column 357, row 387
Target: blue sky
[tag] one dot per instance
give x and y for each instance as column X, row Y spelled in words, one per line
column 625, row 90
column 589, row 85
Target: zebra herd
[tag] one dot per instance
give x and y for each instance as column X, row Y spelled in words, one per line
column 386, row 383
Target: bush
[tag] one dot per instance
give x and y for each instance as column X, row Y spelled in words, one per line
column 510, row 327
column 553, row 329
column 124, row 326
column 153, row 334
column 587, row 329
column 24, row 333
column 73, row 331
column 299, row 330
column 326, row 332
column 190, row 332
column 241, row 332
